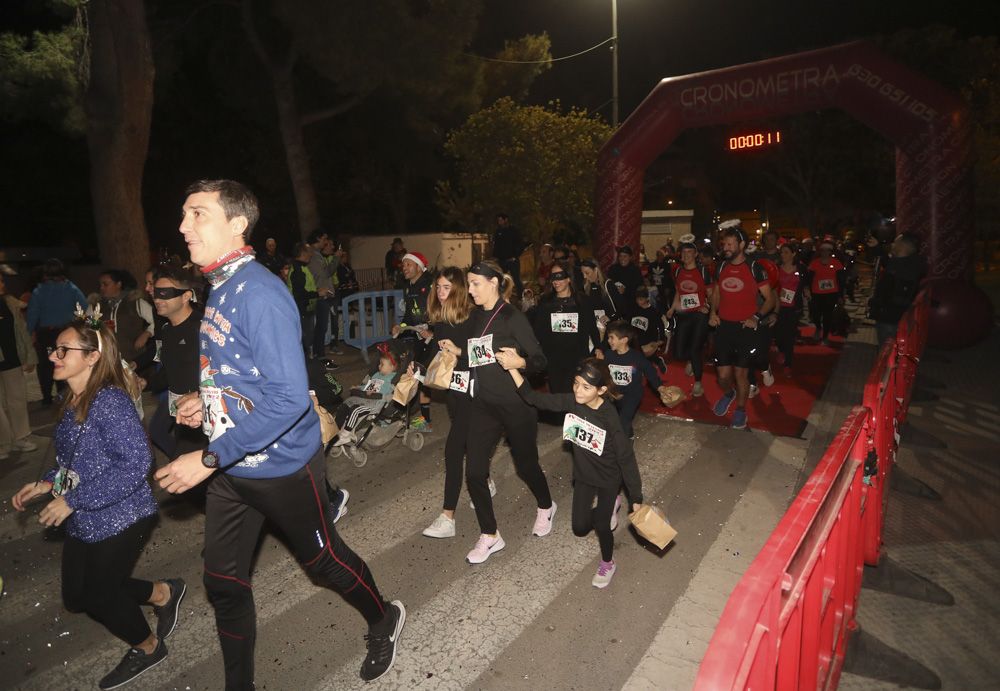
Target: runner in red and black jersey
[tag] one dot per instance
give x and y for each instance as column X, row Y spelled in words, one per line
column 742, row 301
column 791, row 283
column 824, row 287
column 691, row 306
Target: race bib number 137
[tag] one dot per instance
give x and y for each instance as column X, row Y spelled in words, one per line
column 584, row 434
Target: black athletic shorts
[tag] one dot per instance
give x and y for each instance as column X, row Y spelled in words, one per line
column 736, row 345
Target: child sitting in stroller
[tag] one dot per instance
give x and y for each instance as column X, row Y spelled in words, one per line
column 370, row 397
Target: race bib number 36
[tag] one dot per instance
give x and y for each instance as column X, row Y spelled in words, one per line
column 481, row 351
column 459, row 381
column 565, row 322
column 584, row 434
column 621, row 375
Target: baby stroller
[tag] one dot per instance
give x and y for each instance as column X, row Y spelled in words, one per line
column 378, row 429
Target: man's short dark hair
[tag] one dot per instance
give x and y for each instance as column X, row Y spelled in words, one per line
column 298, row 248
column 316, row 236
column 53, row 268
column 502, row 215
column 235, row 198
column 179, row 274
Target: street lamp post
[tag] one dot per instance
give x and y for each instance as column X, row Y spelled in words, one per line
column 614, row 63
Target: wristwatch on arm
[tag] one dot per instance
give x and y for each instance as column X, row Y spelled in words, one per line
column 209, row 459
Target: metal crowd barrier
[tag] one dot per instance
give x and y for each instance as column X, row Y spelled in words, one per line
column 786, row 623
column 369, row 318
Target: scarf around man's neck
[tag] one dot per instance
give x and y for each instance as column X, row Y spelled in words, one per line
column 222, row 269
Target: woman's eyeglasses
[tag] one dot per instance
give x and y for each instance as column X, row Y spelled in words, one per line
column 60, row 351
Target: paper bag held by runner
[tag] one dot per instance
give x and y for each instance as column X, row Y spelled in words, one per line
column 651, row 525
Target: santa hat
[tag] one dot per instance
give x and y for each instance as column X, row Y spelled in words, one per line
column 417, row 258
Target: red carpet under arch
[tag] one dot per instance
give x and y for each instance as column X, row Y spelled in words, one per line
column 781, row 409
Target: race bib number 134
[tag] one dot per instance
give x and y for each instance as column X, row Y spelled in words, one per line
column 481, row 351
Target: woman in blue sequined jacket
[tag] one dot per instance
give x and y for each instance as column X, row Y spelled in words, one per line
column 102, row 493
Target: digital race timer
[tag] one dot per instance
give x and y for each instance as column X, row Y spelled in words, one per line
column 754, row 141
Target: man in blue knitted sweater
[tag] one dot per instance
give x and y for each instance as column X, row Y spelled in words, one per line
column 264, row 458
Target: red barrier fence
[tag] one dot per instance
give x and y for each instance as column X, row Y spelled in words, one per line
column 786, row 623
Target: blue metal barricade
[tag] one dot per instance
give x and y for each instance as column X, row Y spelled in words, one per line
column 376, row 312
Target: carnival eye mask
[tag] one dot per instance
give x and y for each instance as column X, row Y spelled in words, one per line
column 168, row 293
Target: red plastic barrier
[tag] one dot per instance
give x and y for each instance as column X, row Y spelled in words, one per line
column 786, row 623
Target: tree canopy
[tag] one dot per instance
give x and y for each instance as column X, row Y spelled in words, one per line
column 538, row 164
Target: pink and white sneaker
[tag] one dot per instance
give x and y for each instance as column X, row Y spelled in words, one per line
column 543, row 521
column 487, row 545
column 605, row 570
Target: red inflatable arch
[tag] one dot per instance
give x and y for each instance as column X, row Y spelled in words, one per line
column 928, row 125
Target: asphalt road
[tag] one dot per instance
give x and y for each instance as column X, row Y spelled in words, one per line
column 527, row 618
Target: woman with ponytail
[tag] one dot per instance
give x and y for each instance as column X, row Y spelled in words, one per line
column 496, row 408
column 102, row 493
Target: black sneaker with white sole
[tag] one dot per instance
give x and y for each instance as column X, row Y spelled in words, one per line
column 134, row 664
column 166, row 616
column 381, row 641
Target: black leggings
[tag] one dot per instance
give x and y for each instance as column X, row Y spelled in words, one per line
column 586, row 517
column 822, row 312
column 627, row 406
column 97, row 579
column 454, row 448
column 487, row 422
column 295, row 504
column 689, row 341
column 785, row 333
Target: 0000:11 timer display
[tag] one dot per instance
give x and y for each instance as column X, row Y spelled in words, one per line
column 754, row 141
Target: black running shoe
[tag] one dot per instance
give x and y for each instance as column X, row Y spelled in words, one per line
column 134, row 664
column 382, row 644
column 166, row 616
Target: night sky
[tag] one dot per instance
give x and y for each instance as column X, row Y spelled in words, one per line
column 658, row 38
column 665, row 38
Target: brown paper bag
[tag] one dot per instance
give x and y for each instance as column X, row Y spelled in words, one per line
column 327, row 424
column 439, row 371
column 650, row 523
column 406, row 389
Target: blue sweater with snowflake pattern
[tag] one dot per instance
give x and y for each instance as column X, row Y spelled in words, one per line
column 257, row 411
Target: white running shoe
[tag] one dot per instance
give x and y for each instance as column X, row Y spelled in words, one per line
column 689, row 370
column 487, row 545
column 543, row 521
column 24, row 444
column 345, row 436
column 493, row 492
column 697, row 389
column 753, row 391
column 441, row 527
column 605, row 570
column 614, row 516
column 767, row 377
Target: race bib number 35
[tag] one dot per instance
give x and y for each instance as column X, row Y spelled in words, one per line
column 481, row 351
column 621, row 375
column 565, row 322
column 584, row 434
